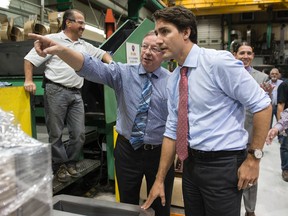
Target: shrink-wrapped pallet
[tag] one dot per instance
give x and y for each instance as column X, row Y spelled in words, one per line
column 25, row 172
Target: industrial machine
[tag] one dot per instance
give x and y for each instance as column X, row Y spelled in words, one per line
column 64, row 204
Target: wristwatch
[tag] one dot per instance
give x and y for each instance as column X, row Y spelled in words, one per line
column 258, row 153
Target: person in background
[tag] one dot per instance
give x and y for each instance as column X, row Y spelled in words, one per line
column 280, row 127
column 275, row 82
column 139, row 142
column 282, row 104
column 209, row 120
column 63, row 102
column 244, row 52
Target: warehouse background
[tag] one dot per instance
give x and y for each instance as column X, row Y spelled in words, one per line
column 220, row 23
column 263, row 23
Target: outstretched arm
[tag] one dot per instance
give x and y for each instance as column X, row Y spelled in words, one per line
column 44, row 46
column 279, row 127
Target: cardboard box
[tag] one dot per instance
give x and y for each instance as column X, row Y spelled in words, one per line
column 41, row 29
column 17, row 34
column 55, row 21
column 28, row 28
column 6, row 26
column 177, row 195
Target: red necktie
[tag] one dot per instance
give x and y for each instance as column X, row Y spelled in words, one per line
column 182, row 128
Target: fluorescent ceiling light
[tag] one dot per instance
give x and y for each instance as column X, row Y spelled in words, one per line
column 94, row 29
column 5, row 4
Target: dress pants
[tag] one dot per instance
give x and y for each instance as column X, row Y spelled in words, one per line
column 274, row 113
column 284, row 152
column 250, row 198
column 131, row 165
column 210, row 185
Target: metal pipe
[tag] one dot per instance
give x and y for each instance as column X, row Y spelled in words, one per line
column 16, row 8
column 42, row 12
column 30, row 3
column 111, row 4
column 157, row 4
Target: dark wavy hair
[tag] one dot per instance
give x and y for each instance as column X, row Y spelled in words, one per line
column 181, row 17
column 69, row 15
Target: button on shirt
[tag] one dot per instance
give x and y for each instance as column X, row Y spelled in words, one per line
column 56, row 69
column 219, row 89
column 128, row 81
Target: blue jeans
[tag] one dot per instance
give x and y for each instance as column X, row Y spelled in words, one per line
column 284, row 153
column 62, row 106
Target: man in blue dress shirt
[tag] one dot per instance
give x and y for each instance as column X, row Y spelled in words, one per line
column 219, row 89
column 128, row 81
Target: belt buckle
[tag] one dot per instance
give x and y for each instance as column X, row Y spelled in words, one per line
column 148, row 147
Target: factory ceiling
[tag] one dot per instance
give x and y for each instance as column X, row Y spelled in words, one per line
column 213, row 7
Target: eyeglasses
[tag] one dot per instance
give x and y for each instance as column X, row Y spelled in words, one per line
column 80, row 22
column 151, row 49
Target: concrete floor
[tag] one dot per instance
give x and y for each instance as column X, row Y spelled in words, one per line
column 272, row 190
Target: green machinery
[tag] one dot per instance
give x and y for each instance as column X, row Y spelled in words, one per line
column 99, row 100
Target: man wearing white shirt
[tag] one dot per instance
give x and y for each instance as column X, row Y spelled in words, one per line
column 275, row 81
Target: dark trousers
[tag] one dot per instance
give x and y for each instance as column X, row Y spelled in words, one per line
column 284, row 152
column 131, row 165
column 210, row 185
column 274, row 113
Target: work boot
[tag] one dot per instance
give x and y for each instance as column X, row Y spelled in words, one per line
column 62, row 175
column 285, row 175
column 71, row 168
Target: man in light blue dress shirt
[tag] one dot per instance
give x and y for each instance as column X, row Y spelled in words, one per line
column 219, row 90
column 128, row 80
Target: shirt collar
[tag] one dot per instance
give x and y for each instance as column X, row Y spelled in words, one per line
column 249, row 69
column 65, row 37
column 155, row 73
column 192, row 57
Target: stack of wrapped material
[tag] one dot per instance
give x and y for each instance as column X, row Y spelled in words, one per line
column 25, row 172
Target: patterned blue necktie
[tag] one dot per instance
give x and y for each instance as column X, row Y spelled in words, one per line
column 139, row 126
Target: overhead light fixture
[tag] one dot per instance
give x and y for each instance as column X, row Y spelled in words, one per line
column 5, row 4
column 94, row 34
column 96, row 30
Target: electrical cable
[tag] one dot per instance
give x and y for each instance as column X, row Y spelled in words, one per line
column 98, row 25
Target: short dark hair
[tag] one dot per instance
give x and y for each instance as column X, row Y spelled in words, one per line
column 69, row 15
column 181, row 17
column 237, row 45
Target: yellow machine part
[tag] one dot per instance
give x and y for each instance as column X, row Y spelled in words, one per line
column 214, row 7
column 117, row 197
column 17, row 101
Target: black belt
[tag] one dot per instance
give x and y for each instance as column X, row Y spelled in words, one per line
column 149, row 146
column 146, row 147
column 58, row 84
column 213, row 154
